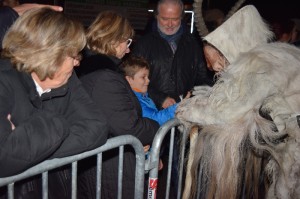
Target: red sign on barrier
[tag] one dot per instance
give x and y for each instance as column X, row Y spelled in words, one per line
column 152, row 188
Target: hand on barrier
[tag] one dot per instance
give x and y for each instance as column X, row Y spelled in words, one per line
column 146, row 148
column 160, row 165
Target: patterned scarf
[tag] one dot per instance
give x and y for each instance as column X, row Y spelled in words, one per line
column 172, row 39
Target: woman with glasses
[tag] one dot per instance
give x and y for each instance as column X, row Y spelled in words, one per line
column 108, row 40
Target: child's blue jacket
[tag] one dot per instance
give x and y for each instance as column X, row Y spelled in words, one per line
column 150, row 111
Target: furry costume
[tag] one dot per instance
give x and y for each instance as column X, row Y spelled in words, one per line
column 248, row 119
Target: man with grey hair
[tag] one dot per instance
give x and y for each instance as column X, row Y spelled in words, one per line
column 175, row 56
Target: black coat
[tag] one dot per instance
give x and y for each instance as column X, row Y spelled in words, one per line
column 172, row 75
column 112, row 93
column 60, row 123
column 7, row 18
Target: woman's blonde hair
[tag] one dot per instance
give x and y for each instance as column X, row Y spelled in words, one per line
column 41, row 39
column 108, row 30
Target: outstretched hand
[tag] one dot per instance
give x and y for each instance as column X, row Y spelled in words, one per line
column 20, row 9
column 168, row 102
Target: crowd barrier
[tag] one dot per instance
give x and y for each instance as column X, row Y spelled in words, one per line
column 152, row 162
column 116, row 142
column 142, row 166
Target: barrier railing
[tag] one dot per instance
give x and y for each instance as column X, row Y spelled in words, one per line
column 151, row 164
column 153, row 160
column 111, row 143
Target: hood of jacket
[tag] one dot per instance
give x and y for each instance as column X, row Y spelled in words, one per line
column 240, row 33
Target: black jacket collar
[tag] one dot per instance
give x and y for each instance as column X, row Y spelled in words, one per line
column 34, row 97
column 92, row 62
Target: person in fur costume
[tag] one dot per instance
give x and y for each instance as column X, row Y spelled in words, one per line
column 248, row 137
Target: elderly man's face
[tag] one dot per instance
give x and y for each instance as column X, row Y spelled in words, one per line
column 169, row 18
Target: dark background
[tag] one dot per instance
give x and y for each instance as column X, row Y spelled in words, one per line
column 267, row 8
column 274, row 8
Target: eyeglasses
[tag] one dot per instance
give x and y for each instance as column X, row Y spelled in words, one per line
column 129, row 41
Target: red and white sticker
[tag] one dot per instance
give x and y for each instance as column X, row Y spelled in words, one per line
column 152, row 188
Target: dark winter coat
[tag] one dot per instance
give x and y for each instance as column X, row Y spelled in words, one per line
column 112, row 93
column 172, row 75
column 60, row 123
column 7, row 18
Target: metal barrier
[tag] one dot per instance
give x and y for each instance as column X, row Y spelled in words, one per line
column 153, row 160
column 111, row 143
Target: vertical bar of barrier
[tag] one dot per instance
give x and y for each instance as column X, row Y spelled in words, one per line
column 139, row 170
column 111, row 143
column 153, row 160
column 10, row 190
column 45, row 184
column 170, row 162
column 74, row 180
column 182, row 152
column 120, row 172
column 99, row 175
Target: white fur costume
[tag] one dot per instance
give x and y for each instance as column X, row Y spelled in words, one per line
column 235, row 141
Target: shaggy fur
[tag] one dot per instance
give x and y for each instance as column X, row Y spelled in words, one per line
column 237, row 146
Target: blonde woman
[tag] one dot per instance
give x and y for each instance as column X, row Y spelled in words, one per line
column 108, row 40
column 45, row 111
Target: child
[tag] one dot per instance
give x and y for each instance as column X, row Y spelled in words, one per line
column 136, row 71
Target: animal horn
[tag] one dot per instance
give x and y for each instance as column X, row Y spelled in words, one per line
column 199, row 20
column 237, row 5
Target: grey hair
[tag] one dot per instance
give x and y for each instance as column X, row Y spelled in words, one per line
column 175, row 2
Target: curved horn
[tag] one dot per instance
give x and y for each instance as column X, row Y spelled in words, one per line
column 199, row 20
column 236, row 6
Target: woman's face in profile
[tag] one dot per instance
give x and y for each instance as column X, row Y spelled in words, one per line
column 215, row 61
column 122, row 48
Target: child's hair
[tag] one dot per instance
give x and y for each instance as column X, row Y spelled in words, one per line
column 133, row 64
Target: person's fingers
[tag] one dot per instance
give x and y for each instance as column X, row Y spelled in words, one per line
column 160, row 165
column 188, row 95
column 56, row 8
column 173, row 101
column 9, row 119
column 146, row 148
column 20, row 9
